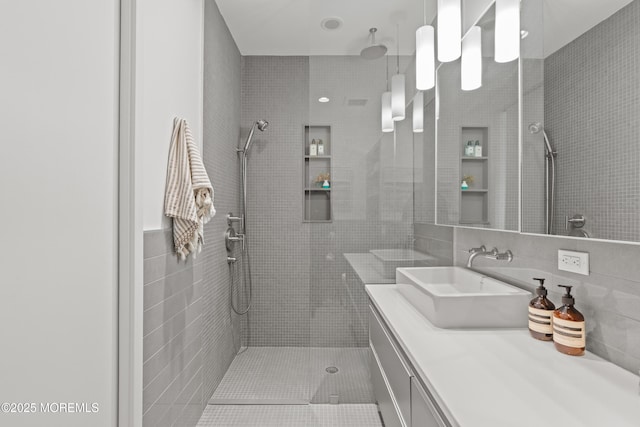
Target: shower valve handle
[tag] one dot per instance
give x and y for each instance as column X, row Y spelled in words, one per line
column 231, row 219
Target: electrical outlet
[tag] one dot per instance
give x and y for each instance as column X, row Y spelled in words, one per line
column 575, row 262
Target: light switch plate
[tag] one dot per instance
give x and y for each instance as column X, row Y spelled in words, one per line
column 575, row 262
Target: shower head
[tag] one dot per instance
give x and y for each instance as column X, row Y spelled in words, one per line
column 535, row 127
column 262, row 125
column 374, row 51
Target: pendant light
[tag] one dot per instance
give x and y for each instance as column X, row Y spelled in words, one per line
column 507, row 33
column 449, row 30
column 397, row 87
column 425, row 55
column 472, row 59
column 418, row 112
column 386, row 118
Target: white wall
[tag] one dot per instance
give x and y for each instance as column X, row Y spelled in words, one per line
column 169, row 62
column 58, row 185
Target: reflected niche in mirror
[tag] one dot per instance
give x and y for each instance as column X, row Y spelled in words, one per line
column 477, row 142
column 581, row 119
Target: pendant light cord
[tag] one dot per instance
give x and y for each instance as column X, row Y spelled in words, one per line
column 387, row 72
column 424, row 11
column 398, row 48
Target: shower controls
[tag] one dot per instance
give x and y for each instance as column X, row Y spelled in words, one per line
column 576, row 221
column 231, row 260
column 231, row 219
column 231, row 237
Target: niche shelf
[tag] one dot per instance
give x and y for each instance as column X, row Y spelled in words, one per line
column 316, row 200
column 474, row 202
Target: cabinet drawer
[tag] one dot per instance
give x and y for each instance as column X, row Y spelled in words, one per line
column 395, row 370
column 385, row 402
column 423, row 410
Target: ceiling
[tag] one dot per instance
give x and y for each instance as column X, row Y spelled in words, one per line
column 292, row 27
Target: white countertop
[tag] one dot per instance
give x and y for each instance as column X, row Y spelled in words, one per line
column 364, row 265
column 495, row 378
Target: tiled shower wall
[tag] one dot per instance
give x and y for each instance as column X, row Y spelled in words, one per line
column 221, row 336
column 190, row 336
column 303, row 295
column 609, row 297
column 591, row 105
column 172, row 346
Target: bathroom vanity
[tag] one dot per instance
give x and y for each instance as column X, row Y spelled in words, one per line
column 426, row 376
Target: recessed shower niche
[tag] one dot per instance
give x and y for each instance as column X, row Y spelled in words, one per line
column 317, row 173
column 474, row 171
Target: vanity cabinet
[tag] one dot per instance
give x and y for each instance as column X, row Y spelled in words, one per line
column 423, row 410
column 402, row 400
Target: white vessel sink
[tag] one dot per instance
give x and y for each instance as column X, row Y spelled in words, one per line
column 456, row 297
column 387, row 260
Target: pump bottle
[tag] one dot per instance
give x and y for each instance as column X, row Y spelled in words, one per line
column 569, row 335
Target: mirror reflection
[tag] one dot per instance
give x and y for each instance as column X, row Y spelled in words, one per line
column 477, row 141
column 581, row 119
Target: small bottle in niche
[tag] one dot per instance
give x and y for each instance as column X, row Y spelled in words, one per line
column 541, row 314
column 569, row 335
column 313, row 148
column 469, row 150
column 464, row 185
column 477, row 149
column 320, row 148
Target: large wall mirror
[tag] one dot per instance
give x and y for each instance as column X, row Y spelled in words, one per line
column 477, row 182
column 581, row 119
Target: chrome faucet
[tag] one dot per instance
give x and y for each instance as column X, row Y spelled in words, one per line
column 492, row 254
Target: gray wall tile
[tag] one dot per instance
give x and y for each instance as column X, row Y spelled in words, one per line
column 609, row 297
column 591, row 112
column 188, row 341
column 221, row 329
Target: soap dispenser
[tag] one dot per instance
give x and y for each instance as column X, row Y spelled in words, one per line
column 541, row 314
column 477, row 149
column 313, row 148
column 569, row 335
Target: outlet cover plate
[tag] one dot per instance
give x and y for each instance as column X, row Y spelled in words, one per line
column 574, row 262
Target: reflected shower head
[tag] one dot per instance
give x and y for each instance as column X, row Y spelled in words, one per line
column 262, row 125
column 374, row 51
column 535, row 127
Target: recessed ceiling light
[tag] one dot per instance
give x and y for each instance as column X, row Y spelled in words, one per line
column 524, row 34
column 331, row 23
column 323, row 99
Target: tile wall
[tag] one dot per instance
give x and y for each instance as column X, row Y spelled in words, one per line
column 172, row 346
column 303, row 294
column 609, row 297
column 591, row 109
column 221, row 333
column 190, row 336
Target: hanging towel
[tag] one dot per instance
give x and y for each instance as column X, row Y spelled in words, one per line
column 188, row 197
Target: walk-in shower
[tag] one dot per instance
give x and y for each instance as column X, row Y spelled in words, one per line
column 231, row 236
column 549, row 173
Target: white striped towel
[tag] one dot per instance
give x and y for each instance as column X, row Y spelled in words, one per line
column 188, row 196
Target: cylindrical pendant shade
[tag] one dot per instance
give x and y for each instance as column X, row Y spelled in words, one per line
column 387, row 120
column 418, row 112
column 449, row 30
column 472, row 59
column 397, row 97
column 507, row 30
column 425, row 58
